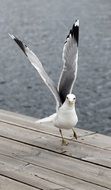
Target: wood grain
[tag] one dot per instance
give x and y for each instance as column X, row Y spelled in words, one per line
column 59, row 163
column 31, row 157
column 40, row 177
column 29, row 123
column 52, row 143
column 8, row 184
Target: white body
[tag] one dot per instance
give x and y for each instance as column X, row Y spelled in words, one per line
column 66, row 117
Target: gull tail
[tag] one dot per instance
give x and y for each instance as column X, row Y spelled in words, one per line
column 46, row 120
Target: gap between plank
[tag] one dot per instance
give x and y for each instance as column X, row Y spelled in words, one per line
column 60, row 153
column 33, row 164
column 39, row 131
column 22, row 182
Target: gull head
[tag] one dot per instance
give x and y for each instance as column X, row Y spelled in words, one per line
column 70, row 99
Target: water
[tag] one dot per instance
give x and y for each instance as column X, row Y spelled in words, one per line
column 44, row 25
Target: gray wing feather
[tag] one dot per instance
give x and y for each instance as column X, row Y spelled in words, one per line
column 38, row 66
column 70, row 60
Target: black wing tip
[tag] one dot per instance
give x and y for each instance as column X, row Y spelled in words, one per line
column 19, row 43
column 75, row 31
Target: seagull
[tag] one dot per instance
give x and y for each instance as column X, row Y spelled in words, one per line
column 65, row 116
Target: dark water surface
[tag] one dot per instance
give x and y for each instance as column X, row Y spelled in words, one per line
column 43, row 25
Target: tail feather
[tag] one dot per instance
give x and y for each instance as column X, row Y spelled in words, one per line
column 45, row 120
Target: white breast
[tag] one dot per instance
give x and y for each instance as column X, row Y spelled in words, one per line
column 66, row 118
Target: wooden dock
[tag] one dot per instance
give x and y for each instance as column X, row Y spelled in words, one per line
column 32, row 158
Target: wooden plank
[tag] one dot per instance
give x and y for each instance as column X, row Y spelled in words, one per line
column 74, row 149
column 98, row 140
column 108, row 148
column 60, row 164
column 8, row 184
column 65, row 180
column 15, row 169
column 16, row 115
column 29, row 123
column 30, row 174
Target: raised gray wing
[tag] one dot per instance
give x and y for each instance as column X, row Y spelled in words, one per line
column 38, row 66
column 70, row 59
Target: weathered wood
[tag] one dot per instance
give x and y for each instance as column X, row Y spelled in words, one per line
column 35, row 176
column 29, row 123
column 33, row 156
column 15, row 169
column 74, row 149
column 60, row 164
column 98, row 140
column 9, row 184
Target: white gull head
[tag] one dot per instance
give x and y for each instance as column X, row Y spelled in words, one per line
column 70, row 99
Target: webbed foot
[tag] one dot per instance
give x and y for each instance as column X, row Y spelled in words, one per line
column 64, row 142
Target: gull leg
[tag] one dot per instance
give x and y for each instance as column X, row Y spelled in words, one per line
column 74, row 134
column 64, row 142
